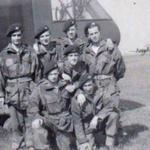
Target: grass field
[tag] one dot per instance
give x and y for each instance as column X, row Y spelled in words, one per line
column 135, row 105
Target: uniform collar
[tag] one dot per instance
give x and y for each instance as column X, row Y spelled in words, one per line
column 100, row 50
column 40, row 49
column 47, row 85
column 10, row 49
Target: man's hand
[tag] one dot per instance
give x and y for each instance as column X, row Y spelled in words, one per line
column 66, row 77
column 110, row 44
column 85, row 146
column 70, row 88
column 37, row 123
column 93, row 123
column 81, row 99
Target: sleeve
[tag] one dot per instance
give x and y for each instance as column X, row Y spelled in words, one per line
column 105, row 111
column 78, row 126
column 34, row 66
column 65, row 94
column 2, row 81
column 104, row 108
column 120, row 67
column 33, row 111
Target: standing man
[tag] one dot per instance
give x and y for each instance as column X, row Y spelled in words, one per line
column 95, row 113
column 71, row 38
column 105, row 62
column 44, row 48
column 53, row 96
column 18, row 70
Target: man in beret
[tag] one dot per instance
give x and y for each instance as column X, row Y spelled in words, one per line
column 45, row 48
column 94, row 114
column 71, row 38
column 52, row 95
column 73, row 68
column 18, row 72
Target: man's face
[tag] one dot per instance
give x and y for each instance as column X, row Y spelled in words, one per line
column 73, row 58
column 94, row 34
column 71, row 33
column 88, row 87
column 16, row 38
column 44, row 38
column 53, row 76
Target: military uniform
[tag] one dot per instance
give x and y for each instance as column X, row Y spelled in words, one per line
column 18, row 71
column 108, row 67
column 54, row 101
column 76, row 71
column 83, row 115
column 45, row 54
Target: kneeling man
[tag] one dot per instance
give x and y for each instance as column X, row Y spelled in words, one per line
column 49, row 108
column 93, row 114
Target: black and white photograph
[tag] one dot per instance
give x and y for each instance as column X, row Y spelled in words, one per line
column 74, row 74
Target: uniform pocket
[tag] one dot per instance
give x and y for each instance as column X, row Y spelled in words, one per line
column 11, row 91
column 53, row 106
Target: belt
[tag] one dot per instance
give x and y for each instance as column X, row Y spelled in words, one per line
column 60, row 114
column 20, row 79
column 103, row 77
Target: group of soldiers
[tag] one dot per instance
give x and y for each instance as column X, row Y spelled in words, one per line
column 60, row 89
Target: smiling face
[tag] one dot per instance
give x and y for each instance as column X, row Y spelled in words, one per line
column 94, row 34
column 88, row 87
column 44, row 38
column 72, row 32
column 16, row 38
column 73, row 58
column 53, row 75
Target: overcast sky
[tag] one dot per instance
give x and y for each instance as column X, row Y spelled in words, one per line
column 133, row 20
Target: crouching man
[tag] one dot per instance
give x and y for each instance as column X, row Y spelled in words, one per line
column 94, row 113
column 49, row 109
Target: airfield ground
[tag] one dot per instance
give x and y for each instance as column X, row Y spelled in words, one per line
column 135, row 106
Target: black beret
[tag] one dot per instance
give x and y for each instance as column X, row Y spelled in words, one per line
column 71, row 49
column 13, row 28
column 41, row 30
column 49, row 67
column 68, row 24
column 84, row 78
column 90, row 25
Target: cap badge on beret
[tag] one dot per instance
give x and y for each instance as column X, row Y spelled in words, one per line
column 17, row 28
column 89, row 77
column 93, row 24
column 46, row 28
column 41, row 30
column 13, row 28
